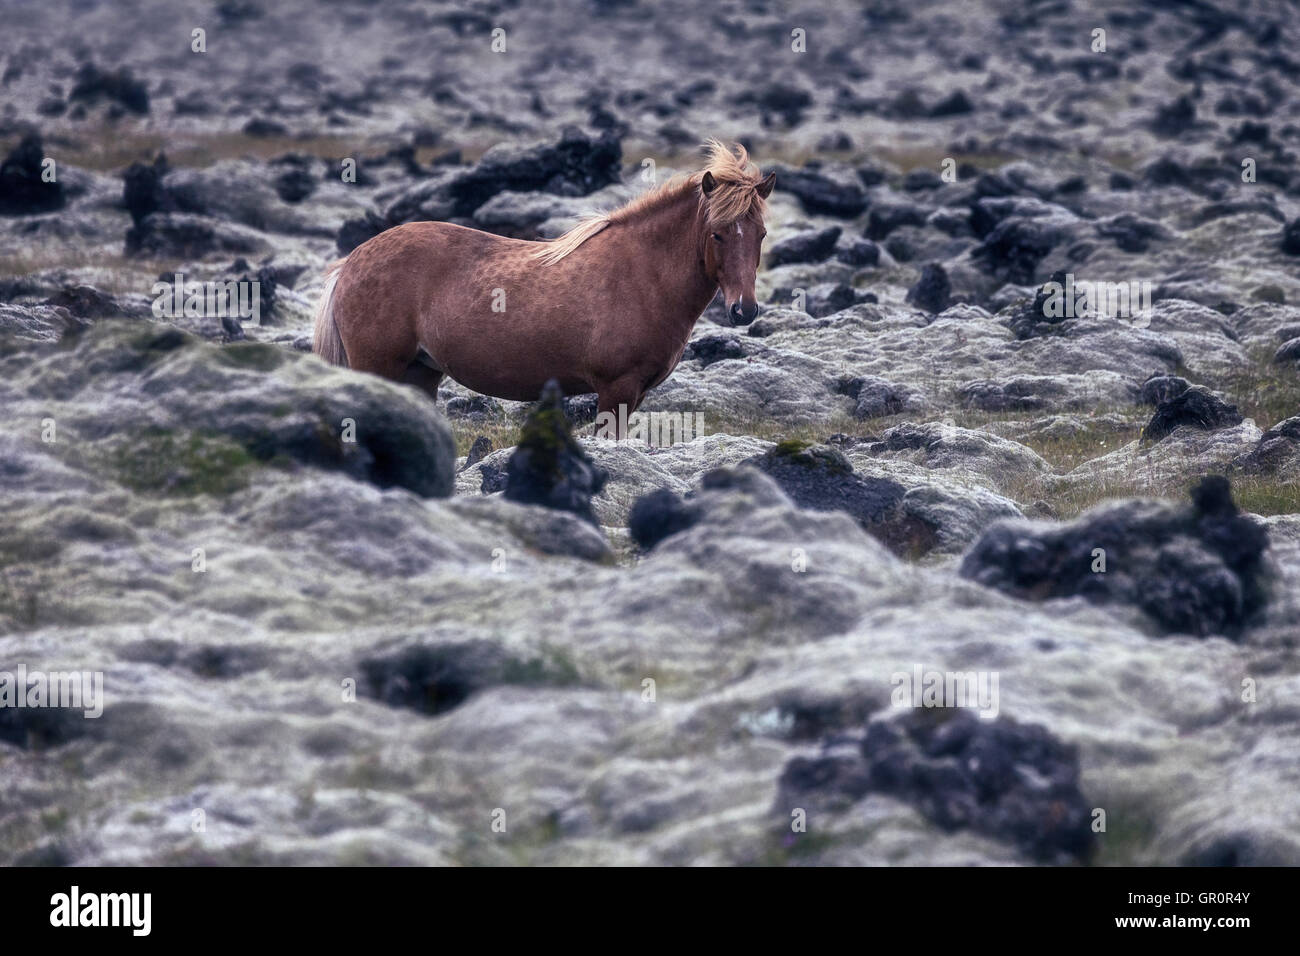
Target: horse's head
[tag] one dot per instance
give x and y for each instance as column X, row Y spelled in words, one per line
column 732, row 195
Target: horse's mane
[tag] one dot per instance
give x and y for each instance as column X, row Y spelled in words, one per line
column 733, row 198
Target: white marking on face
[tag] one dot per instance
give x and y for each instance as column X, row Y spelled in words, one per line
column 739, row 231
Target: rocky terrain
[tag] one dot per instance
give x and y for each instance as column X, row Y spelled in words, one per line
column 337, row 624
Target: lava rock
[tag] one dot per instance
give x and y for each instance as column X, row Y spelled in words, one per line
column 707, row 349
column 1291, row 238
column 143, row 191
column 858, row 252
column 658, row 515
column 815, row 245
column 1288, row 351
column 295, row 184
column 173, row 235
column 478, row 408
column 1132, row 233
column 886, row 217
column 955, row 103
column 22, row 190
column 1196, row 570
column 87, row 302
column 1014, row 248
column 354, row 232
column 827, row 298
column 549, row 467
column 824, row 190
column 1278, row 448
column 1006, row 780
column 875, row 397
column 1160, row 388
column 120, row 86
column 1176, row 118
column 932, row 291
column 1194, row 407
column 481, row 448
column 821, row 478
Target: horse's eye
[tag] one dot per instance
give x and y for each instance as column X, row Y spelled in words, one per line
column 717, row 237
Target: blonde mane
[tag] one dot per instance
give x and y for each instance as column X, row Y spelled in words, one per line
column 733, row 198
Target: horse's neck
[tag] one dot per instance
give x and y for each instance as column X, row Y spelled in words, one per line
column 670, row 237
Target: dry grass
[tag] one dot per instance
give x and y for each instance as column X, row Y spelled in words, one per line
column 110, row 149
column 122, row 274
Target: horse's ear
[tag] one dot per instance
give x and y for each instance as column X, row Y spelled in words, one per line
column 764, row 188
column 707, row 183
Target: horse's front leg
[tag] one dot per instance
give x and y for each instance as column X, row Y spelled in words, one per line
column 620, row 399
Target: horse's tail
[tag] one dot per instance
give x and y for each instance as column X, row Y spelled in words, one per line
column 326, row 341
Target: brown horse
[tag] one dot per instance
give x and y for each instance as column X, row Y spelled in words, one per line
column 606, row 308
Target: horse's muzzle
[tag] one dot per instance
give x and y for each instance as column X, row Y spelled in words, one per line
column 742, row 314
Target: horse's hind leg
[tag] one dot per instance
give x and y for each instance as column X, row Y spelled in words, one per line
column 424, row 377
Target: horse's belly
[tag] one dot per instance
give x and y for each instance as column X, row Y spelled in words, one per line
column 515, row 370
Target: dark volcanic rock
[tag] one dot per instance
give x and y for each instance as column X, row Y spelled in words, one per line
column 87, row 302
column 581, row 409
column 475, row 408
column 659, row 514
column 1194, row 407
column 436, row 679
column 1032, row 319
column 824, row 191
column 821, row 478
column 549, row 467
column 827, row 298
column 1009, row 781
column 120, row 86
column 708, row 349
column 932, row 290
column 1160, row 388
column 186, row 236
column 1291, row 238
column 143, row 191
column 815, row 245
column 875, row 397
column 38, row 323
column 1014, row 248
column 481, row 448
column 1288, row 351
column 954, row 104
column 354, row 232
column 1278, row 448
column 1193, row 570
column 22, row 191
column 858, row 252
column 574, row 166
column 1132, row 233
column 886, row 217
column 295, row 184
column 1176, row 118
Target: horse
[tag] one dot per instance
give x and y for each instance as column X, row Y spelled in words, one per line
column 608, row 307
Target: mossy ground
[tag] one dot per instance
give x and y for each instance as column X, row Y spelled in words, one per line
column 181, row 464
column 1264, row 392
